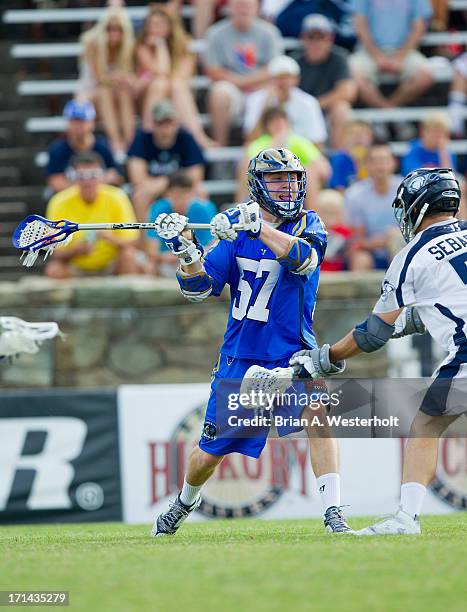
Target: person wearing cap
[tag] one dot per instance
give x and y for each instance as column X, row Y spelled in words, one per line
column 288, row 16
column 238, row 50
column 79, row 138
column 325, row 73
column 303, row 110
column 389, row 35
column 154, row 156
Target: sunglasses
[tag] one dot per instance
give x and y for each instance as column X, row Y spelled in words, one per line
column 87, row 175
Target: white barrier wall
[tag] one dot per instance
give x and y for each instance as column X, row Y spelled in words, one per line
column 159, row 424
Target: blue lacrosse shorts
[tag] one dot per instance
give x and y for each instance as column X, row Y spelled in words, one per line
column 227, row 375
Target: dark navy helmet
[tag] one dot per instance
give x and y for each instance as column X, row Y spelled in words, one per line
column 423, row 192
column 269, row 192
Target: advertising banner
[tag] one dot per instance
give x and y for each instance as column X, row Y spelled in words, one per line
column 59, row 457
column 160, row 424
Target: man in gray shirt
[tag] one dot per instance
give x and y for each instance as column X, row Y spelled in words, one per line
column 368, row 207
column 238, row 51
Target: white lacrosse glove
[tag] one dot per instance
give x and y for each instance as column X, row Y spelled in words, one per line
column 18, row 336
column 408, row 323
column 260, row 385
column 315, row 363
column 243, row 217
column 169, row 228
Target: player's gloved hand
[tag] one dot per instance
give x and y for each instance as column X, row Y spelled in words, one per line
column 170, row 228
column 408, row 323
column 244, row 217
column 315, row 363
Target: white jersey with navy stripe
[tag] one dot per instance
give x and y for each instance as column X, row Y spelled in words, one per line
column 431, row 273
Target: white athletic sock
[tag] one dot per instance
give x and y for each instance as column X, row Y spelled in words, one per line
column 412, row 496
column 189, row 493
column 329, row 487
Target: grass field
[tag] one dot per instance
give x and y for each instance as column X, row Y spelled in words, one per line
column 240, row 565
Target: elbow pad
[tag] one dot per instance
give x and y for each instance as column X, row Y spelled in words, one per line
column 300, row 258
column 372, row 334
column 195, row 287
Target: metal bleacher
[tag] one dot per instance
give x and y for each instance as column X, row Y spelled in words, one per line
column 34, row 118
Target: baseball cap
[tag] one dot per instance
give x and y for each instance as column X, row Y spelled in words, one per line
column 84, row 111
column 317, row 22
column 163, row 110
column 283, row 64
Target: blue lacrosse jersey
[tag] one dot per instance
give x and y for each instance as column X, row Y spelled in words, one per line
column 271, row 309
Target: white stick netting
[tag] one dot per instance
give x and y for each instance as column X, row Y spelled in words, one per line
column 259, row 385
column 18, row 336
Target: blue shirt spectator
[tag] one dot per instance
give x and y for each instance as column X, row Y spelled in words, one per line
column 344, row 170
column 79, row 138
column 431, row 150
column 183, row 152
column 156, row 154
column 419, row 156
column 61, row 152
column 179, row 197
column 289, row 19
column 390, row 21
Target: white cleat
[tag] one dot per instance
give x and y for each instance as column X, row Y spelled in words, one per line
column 399, row 523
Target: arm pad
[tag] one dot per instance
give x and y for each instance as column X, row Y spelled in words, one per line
column 300, row 258
column 195, row 287
column 372, row 334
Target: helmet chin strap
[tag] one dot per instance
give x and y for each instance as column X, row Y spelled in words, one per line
column 420, row 218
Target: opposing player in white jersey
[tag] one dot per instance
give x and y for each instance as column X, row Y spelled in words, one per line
column 430, row 273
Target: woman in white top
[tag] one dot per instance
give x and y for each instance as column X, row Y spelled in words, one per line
column 107, row 75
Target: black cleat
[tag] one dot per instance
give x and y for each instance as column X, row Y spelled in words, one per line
column 334, row 521
column 168, row 522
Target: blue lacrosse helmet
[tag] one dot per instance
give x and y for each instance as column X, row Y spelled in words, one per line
column 283, row 203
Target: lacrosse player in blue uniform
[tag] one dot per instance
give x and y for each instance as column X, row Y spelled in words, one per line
column 269, row 252
column 424, row 290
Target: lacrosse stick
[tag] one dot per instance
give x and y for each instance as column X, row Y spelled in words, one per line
column 18, row 336
column 259, row 384
column 36, row 233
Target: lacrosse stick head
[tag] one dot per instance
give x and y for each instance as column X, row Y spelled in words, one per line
column 259, row 384
column 36, row 233
column 18, row 336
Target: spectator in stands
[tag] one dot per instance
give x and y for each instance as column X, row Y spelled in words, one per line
column 154, row 155
column 330, row 208
column 79, row 138
column 458, row 96
column 303, row 111
column 289, row 15
column 368, row 205
column 349, row 163
column 431, row 150
column 180, row 197
column 389, row 34
column 325, row 73
column 89, row 200
column 238, row 51
column 107, row 76
column 276, row 132
column 164, row 67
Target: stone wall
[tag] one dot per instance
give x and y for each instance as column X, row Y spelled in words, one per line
column 140, row 330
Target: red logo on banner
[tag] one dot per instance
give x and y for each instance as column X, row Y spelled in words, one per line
column 241, row 486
